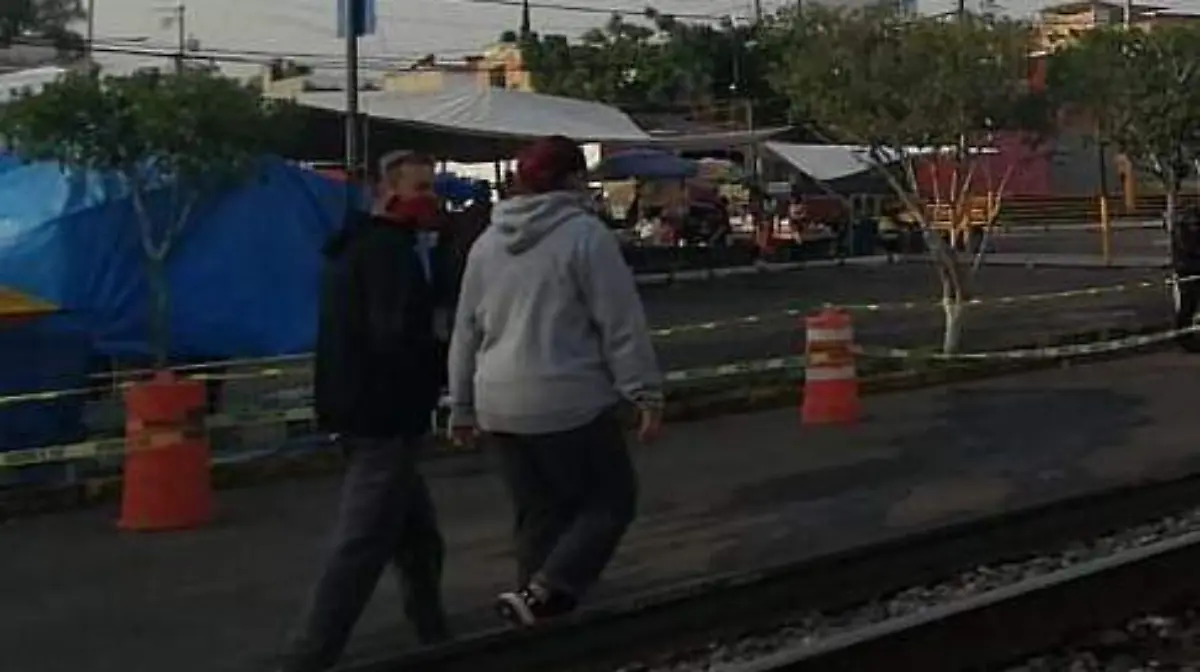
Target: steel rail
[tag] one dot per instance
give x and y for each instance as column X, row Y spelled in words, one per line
column 1006, row 625
column 695, row 613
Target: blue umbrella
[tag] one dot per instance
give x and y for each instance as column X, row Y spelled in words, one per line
column 453, row 188
column 646, row 164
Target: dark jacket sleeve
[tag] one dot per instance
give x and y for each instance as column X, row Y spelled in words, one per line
column 384, row 273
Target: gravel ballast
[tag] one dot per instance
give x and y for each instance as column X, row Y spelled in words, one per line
column 806, row 630
column 1145, row 644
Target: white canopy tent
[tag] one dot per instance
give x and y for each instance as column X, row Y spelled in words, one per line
column 828, row 163
column 489, row 111
column 824, row 163
column 33, row 80
column 703, row 142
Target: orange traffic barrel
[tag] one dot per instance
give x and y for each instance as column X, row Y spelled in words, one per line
column 830, row 378
column 167, row 482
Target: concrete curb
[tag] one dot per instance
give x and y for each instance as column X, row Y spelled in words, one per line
column 1058, row 261
column 754, row 392
column 650, row 279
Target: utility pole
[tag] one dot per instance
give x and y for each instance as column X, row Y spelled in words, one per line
column 758, row 12
column 177, row 17
column 352, row 30
column 91, row 32
column 1128, row 13
column 526, row 20
column 181, row 36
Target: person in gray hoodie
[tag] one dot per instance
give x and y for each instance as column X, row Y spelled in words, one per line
column 549, row 338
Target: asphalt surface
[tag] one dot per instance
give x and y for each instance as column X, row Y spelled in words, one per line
column 987, row 327
column 1126, row 240
column 726, row 494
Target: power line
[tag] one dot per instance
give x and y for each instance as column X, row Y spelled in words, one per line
column 230, row 56
column 288, row 55
column 605, row 11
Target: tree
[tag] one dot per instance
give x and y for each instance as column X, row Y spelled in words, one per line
column 173, row 140
column 619, row 64
column 1138, row 90
column 914, row 92
column 660, row 62
column 48, row 19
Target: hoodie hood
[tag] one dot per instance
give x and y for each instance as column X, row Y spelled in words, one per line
column 523, row 221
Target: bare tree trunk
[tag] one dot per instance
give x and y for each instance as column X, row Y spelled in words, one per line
column 156, row 250
column 953, row 301
column 952, row 309
column 953, row 292
column 159, row 310
column 1172, row 188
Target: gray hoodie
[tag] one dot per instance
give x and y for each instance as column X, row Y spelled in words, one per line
column 550, row 330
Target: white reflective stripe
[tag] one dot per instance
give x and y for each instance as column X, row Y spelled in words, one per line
column 845, row 334
column 825, row 373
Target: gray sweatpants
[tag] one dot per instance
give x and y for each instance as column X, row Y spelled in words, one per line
column 574, row 494
column 386, row 517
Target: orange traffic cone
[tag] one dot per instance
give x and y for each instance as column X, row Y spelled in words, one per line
column 830, row 379
column 167, row 483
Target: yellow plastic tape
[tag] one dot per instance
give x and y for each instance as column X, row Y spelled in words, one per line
column 279, row 370
column 90, row 450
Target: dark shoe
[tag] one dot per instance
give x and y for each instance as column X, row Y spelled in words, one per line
column 531, row 605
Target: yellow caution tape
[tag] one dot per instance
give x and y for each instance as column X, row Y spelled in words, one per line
column 91, row 450
column 200, row 371
column 51, row 395
column 1002, row 301
column 792, row 365
column 1048, row 352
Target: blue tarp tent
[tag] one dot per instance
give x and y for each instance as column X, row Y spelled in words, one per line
column 243, row 280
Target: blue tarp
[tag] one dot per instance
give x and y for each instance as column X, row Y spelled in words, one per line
column 243, row 279
column 49, row 353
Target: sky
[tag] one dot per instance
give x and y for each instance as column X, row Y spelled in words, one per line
column 407, row 29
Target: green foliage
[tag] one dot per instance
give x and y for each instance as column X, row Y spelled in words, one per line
column 41, row 18
column 655, row 63
column 198, row 130
column 1141, row 91
column 880, row 79
column 189, row 135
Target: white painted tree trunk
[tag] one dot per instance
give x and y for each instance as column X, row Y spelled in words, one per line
column 1172, row 206
column 953, row 308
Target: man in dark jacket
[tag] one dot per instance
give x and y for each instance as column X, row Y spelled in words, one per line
column 376, row 386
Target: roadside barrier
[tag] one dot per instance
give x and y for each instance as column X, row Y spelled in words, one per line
column 897, row 306
column 830, row 378
column 792, row 366
column 288, row 366
column 1047, row 352
column 167, row 478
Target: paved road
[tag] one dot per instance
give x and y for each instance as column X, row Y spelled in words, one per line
column 987, row 327
column 771, row 295
column 1125, row 241
column 718, row 495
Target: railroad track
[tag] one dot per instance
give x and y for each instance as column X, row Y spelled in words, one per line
column 1004, row 626
column 693, row 627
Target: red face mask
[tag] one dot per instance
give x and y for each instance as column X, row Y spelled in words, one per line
column 421, row 210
